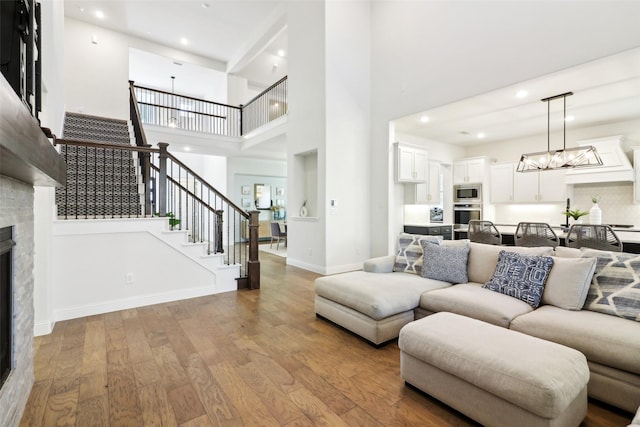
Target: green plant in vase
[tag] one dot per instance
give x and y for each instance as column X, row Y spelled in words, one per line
column 173, row 221
column 576, row 214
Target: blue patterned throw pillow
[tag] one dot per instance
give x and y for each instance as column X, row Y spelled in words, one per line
column 615, row 287
column 521, row 276
column 446, row 263
column 409, row 256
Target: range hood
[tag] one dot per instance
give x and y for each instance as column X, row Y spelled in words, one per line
column 616, row 165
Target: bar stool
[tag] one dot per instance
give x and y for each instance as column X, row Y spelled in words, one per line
column 593, row 236
column 484, row 232
column 535, row 234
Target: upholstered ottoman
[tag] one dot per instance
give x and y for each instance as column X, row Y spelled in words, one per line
column 494, row 375
column 373, row 305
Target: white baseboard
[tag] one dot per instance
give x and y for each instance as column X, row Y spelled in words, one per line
column 43, row 328
column 335, row 269
column 300, row 264
column 133, row 302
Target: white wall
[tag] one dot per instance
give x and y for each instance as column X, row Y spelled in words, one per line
column 91, row 277
column 306, row 127
column 212, row 169
column 427, row 54
column 348, row 134
column 239, row 91
column 151, row 70
column 52, row 116
column 53, row 82
column 96, row 75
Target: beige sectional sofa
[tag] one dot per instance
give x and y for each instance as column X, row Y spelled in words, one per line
column 377, row 302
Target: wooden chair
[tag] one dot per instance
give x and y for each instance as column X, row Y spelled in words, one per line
column 484, row 232
column 593, row 236
column 535, row 234
column 277, row 234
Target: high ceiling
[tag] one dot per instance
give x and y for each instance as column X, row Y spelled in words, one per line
column 605, row 91
column 234, row 32
column 215, row 29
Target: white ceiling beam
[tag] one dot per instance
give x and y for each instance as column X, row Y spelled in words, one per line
column 261, row 37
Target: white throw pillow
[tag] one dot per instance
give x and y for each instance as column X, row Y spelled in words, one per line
column 568, row 282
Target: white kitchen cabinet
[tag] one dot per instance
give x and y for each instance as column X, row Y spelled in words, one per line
column 536, row 187
column 469, row 171
column 509, row 186
column 425, row 193
column 412, row 163
column 552, row 187
column 502, row 183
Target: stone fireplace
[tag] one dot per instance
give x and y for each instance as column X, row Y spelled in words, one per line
column 16, row 211
column 6, row 298
column 27, row 159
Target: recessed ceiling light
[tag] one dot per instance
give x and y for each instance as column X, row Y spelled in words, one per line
column 424, row 119
column 99, row 14
column 521, row 94
column 281, row 52
column 569, row 118
column 187, row 148
column 184, row 40
column 81, row 9
column 480, row 135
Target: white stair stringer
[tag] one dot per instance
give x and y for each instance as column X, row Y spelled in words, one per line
column 226, row 275
column 106, row 265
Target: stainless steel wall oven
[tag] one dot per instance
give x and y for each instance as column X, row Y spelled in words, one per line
column 465, row 212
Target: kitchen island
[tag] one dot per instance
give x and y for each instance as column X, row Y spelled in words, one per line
column 431, row 229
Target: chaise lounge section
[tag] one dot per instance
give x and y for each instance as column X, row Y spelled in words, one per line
column 377, row 302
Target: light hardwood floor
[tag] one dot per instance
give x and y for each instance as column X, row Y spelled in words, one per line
column 253, row 358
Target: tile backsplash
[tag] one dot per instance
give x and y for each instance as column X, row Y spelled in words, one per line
column 616, row 202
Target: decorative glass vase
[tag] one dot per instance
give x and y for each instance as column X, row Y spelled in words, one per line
column 303, row 211
column 595, row 214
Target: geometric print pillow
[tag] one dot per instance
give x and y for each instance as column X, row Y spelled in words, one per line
column 410, row 256
column 521, row 276
column 446, row 263
column 615, row 287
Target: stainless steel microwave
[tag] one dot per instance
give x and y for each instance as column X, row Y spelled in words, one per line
column 467, row 193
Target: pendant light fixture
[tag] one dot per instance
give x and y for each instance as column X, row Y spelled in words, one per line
column 583, row 156
column 173, row 120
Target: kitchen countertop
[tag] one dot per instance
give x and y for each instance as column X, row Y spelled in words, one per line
column 429, row 224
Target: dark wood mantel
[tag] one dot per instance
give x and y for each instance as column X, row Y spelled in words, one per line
column 25, row 152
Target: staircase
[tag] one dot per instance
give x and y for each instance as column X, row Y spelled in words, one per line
column 100, row 183
column 115, row 183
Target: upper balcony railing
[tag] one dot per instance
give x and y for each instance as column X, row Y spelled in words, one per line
column 269, row 105
column 172, row 110
column 167, row 109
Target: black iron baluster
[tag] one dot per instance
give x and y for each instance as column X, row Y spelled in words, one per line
column 95, row 182
column 104, row 182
